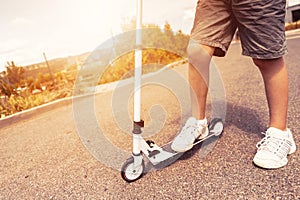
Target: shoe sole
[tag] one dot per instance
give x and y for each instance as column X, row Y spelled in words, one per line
column 275, row 165
column 183, row 150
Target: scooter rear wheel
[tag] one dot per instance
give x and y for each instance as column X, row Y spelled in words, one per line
column 131, row 173
column 216, row 126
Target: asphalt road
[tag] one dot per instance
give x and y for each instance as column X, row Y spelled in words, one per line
column 75, row 151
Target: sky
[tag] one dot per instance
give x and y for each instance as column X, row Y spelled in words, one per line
column 69, row 27
column 293, row 2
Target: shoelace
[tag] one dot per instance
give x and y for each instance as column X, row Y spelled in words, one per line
column 275, row 145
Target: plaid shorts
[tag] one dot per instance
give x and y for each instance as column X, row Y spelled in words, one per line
column 260, row 25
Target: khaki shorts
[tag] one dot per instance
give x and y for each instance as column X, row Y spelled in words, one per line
column 260, row 24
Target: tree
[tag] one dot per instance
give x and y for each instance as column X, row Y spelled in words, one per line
column 160, row 47
column 128, row 24
column 11, row 79
column 14, row 74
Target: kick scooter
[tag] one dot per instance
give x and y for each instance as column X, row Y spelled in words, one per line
column 134, row 166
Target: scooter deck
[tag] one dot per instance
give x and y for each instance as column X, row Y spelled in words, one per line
column 157, row 154
column 165, row 155
column 168, row 156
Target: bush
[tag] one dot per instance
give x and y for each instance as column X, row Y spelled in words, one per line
column 293, row 25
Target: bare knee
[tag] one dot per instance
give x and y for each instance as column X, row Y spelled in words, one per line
column 199, row 55
column 267, row 63
column 195, row 48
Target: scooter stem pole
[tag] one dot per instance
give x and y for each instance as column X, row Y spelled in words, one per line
column 137, row 80
column 138, row 64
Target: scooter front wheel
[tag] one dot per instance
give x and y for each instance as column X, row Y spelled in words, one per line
column 130, row 172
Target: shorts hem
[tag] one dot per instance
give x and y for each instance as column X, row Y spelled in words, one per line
column 266, row 56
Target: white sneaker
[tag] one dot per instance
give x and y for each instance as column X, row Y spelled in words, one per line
column 273, row 149
column 192, row 130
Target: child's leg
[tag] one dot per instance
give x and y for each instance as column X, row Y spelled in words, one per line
column 275, row 77
column 196, row 126
column 278, row 141
column 199, row 60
